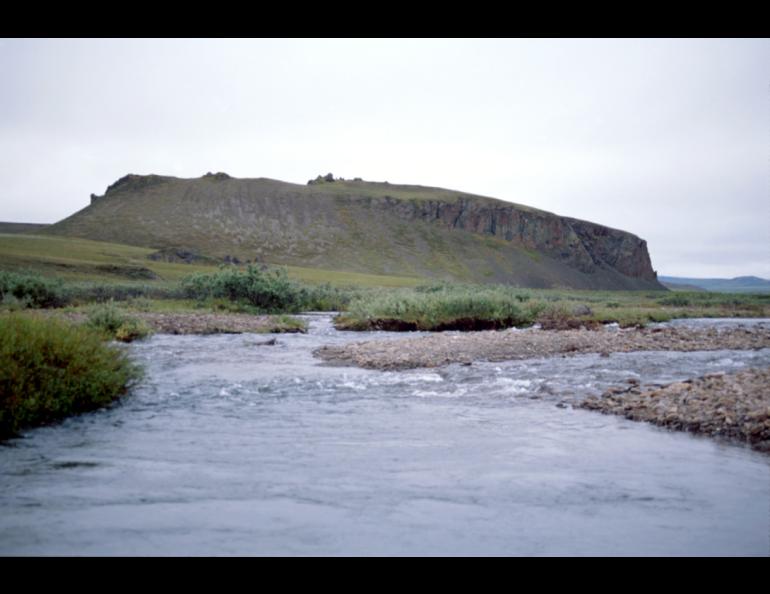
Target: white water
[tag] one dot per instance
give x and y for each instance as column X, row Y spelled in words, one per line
column 232, row 448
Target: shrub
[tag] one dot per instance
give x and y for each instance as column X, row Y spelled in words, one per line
column 269, row 291
column 676, row 301
column 451, row 308
column 106, row 318
column 132, row 329
column 112, row 323
column 49, row 370
column 324, row 298
column 31, row 290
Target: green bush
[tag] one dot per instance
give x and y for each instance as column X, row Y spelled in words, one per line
column 132, row 329
column 324, row 298
column 676, row 301
column 31, row 290
column 268, row 291
column 461, row 308
column 50, row 370
column 112, row 323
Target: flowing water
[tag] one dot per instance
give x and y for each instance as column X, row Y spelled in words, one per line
column 232, row 447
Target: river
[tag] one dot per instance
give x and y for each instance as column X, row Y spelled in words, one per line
column 231, row 447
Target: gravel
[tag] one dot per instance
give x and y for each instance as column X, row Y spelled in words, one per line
column 443, row 348
column 734, row 406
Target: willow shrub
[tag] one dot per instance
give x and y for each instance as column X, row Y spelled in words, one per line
column 443, row 309
column 266, row 290
column 50, row 370
column 114, row 324
column 31, row 290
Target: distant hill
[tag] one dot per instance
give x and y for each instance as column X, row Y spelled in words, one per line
column 365, row 227
column 739, row 284
column 22, row 227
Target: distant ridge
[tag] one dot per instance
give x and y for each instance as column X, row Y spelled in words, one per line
column 361, row 226
column 739, row 284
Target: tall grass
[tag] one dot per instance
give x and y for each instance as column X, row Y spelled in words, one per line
column 50, row 370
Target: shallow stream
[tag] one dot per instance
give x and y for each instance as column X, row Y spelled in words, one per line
column 229, row 446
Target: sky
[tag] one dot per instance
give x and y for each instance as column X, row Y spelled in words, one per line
column 666, row 138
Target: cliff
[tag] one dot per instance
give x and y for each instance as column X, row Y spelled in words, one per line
column 365, row 227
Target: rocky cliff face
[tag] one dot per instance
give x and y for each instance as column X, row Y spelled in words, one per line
column 582, row 245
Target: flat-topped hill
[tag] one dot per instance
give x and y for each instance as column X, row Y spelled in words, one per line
column 360, row 226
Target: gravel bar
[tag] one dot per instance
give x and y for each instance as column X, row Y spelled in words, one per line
column 443, row 348
column 735, row 406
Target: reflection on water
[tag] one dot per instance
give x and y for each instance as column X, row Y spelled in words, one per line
column 230, row 447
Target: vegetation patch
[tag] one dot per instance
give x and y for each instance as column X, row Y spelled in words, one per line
column 438, row 308
column 50, row 370
column 112, row 323
column 136, row 272
column 263, row 290
column 30, row 290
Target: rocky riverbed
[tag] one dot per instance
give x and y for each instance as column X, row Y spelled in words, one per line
column 735, row 406
column 444, row 348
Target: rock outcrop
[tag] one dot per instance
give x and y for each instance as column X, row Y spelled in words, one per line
column 580, row 244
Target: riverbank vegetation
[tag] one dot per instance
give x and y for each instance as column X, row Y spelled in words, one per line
column 261, row 290
column 73, row 275
column 479, row 307
column 50, row 369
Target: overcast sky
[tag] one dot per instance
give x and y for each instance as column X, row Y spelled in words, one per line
column 668, row 139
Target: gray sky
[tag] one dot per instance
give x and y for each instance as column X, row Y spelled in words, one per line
column 668, row 139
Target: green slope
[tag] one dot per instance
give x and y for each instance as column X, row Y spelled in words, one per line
column 77, row 259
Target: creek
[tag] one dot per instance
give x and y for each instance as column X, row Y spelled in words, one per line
column 231, row 447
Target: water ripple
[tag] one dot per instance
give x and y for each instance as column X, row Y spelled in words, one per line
column 231, row 448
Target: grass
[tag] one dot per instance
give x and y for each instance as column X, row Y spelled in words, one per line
column 83, row 260
column 50, row 370
column 469, row 307
column 346, row 279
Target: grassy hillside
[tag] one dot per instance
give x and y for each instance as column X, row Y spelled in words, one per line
column 361, row 227
column 74, row 259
